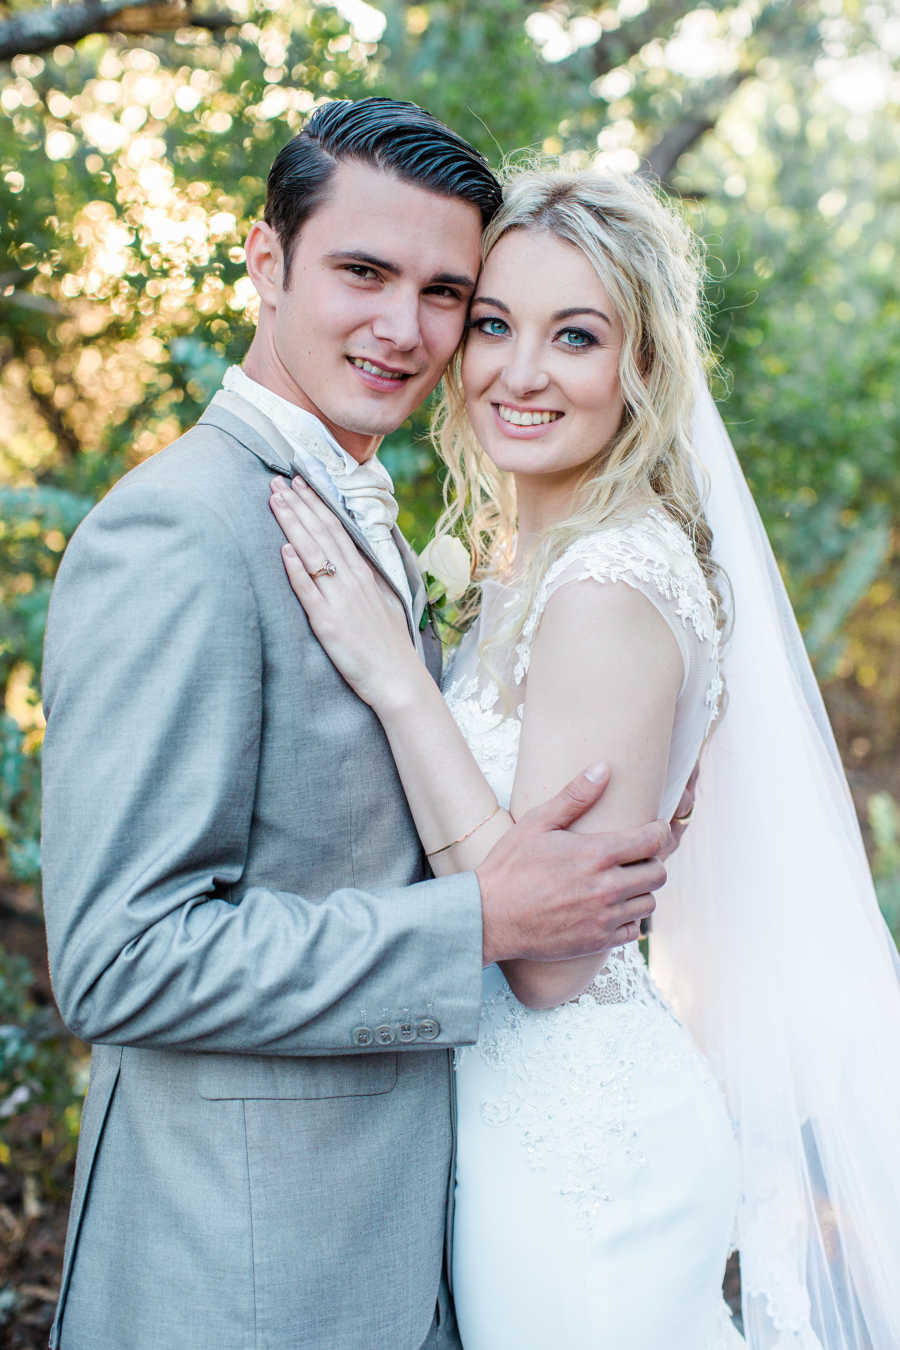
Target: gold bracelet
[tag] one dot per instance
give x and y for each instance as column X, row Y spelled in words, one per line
column 432, row 853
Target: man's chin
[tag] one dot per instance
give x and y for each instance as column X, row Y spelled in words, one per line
column 361, row 418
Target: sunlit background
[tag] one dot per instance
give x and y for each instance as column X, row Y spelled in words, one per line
column 132, row 161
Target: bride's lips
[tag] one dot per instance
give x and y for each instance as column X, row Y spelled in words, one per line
column 525, row 432
column 377, row 375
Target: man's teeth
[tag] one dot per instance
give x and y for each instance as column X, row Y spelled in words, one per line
column 377, row 370
column 525, row 419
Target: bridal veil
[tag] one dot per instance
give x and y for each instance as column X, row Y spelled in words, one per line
column 769, row 943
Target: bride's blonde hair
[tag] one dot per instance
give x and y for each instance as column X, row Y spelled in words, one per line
column 650, row 264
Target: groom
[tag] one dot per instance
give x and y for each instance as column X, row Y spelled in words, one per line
column 238, row 910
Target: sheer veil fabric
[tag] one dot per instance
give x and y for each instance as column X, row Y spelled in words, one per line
column 769, row 943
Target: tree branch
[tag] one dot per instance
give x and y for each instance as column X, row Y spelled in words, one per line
column 660, row 162
column 66, row 439
column 39, row 29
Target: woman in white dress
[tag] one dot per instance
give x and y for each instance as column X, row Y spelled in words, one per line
column 599, row 1179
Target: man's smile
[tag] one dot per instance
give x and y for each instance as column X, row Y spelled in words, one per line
column 380, row 372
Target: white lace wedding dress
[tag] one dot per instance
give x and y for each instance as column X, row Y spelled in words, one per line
column 597, row 1168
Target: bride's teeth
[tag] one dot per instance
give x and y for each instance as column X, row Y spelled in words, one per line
column 376, row 370
column 525, row 419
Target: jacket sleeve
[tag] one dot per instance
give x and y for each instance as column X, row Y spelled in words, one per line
column 152, row 690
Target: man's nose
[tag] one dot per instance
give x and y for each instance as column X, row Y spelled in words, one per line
column 398, row 322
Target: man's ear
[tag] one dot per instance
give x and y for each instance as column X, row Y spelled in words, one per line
column 265, row 262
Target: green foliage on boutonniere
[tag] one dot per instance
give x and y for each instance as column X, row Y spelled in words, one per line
column 447, row 569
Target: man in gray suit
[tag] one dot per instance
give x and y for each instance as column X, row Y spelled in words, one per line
column 239, row 914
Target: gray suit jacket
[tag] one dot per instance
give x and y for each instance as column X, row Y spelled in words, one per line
column 238, row 920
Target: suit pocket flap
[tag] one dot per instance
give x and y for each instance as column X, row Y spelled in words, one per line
column 225, row 1077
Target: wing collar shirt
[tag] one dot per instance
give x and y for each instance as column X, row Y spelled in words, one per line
column 364, row 490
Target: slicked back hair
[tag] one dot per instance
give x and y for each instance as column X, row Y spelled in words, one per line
column 397, row 137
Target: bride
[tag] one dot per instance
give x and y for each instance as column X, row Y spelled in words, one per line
column 618, row 1132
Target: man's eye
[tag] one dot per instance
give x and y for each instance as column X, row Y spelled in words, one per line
column 444, row 292
column 362, row 271
column 491, row 326
column 576, row 338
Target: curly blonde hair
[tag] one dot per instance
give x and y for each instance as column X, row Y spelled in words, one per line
column 650, row 264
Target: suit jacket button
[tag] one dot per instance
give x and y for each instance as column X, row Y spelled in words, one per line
column 362, row 1036
column 429, row 1029
column 406, row 1032
column 384, row 1034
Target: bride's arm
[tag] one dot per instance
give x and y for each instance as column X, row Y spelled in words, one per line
column 603, row 678
column 362, row 626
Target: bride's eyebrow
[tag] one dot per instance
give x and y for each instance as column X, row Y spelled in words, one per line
column 489, row 300
column 555, row 318
column 586, row 309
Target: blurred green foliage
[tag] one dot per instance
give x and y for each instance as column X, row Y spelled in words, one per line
column 884, row 820
column 39, row 1079
column 131, row 166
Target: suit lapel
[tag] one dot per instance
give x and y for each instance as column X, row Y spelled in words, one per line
column 432, row 651
column 263, row 439
column 413, row 575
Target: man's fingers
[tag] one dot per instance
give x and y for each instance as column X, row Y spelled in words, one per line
column 685, row 802
column 570, row 804
column 635, row 845
column 684, row 808
column 637, row 908
column 628, row 932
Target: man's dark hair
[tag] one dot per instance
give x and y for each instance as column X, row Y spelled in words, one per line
column 400, row 138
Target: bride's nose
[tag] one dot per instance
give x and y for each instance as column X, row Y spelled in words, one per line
column 524, row 371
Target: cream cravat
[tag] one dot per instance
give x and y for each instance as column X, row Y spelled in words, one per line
column 365, row 490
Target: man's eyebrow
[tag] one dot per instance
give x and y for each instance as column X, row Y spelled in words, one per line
column 453, row 279
column 358, row 255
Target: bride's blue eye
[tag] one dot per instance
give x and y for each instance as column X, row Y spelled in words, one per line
column 492, row 326
column 576, row 338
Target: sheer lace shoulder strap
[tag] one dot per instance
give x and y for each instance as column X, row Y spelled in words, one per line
column 651, row 554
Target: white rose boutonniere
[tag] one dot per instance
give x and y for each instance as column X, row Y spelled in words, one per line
column 447, row 569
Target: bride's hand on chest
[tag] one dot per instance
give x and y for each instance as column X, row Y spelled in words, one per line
column 354, row 613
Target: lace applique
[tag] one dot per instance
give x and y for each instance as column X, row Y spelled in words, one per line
column 652, row 550
column 768, row 1226
column 713, row 696
column 578, row 1062
column 624, row 979
column 491, row 733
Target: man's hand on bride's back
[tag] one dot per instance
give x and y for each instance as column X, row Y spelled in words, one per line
column 549, row 893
